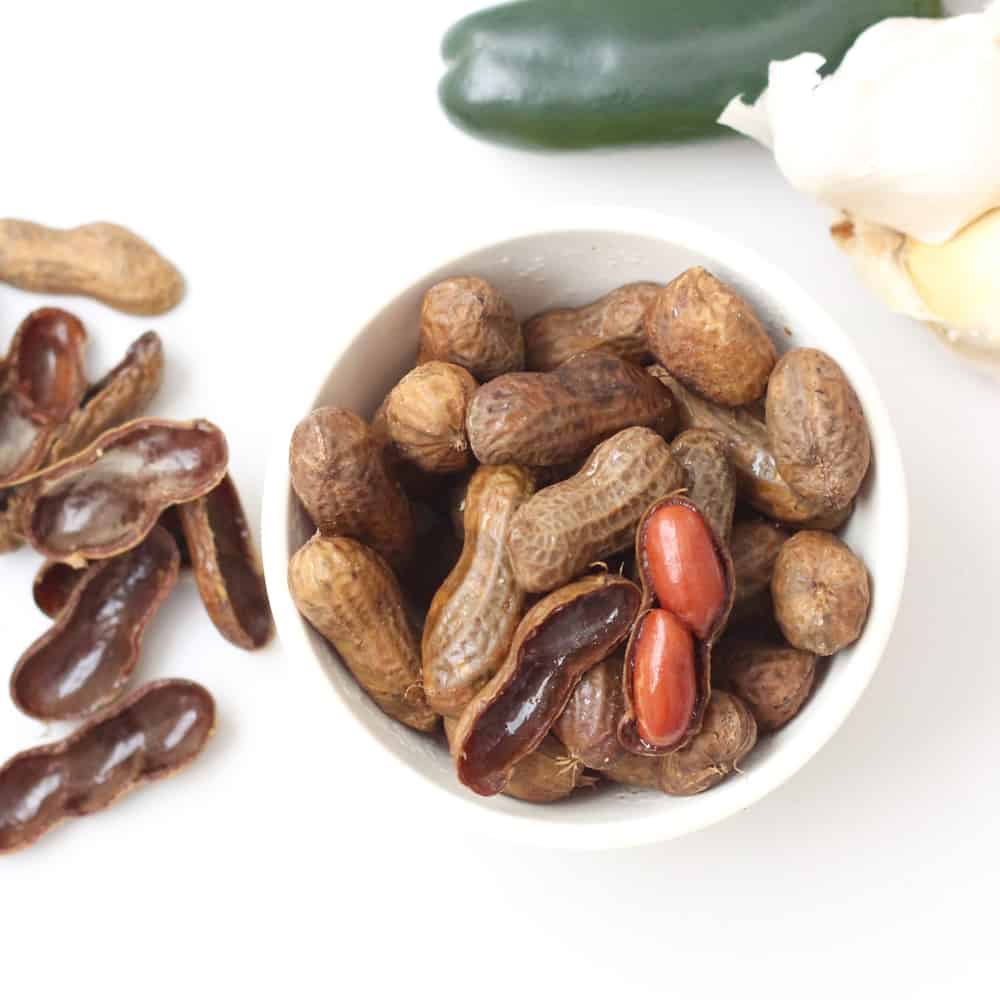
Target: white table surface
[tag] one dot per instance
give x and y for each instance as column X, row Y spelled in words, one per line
column 281, row 161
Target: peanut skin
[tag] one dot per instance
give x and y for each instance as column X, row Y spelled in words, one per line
column 107, row 262
column 339, row 473
column 774, row 680
column 466, row 321
column 817, row 429
column 709, row 337
column 614, row 322
column 425, row 415
column 534, row 418
column 564, row 528
column 473, row 616
column 348, row 593
column 820, row 592
column 757, row 478
column 709, row 477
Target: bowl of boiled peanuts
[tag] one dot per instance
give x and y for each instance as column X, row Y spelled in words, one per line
column 597, row 528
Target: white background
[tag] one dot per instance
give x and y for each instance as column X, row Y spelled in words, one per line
column 281, row 156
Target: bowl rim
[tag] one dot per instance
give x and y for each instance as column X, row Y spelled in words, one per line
column 632, row 829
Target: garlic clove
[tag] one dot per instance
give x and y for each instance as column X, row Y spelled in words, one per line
column 953, row 286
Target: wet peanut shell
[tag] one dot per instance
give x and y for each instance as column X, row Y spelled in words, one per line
column 54, row 584
column 709, row 477
column 817, row 430
column 227, row 567
column 43, row 384
column 155, row 732
column 628, row 732
column 416, row 483
column 339, row 472
column 473, row 616
column 558, row 640
column 466, row 321
column 108, row 497
column 728, row 733
column 547, row 774
column 710, row 337
column 564, row 528
column 588, row 725
column 614, row 322
column 85, row 660
column 104, row 261
column 754, row 547
column 772, row 678
column 757, row 478
column 545, row 418
column 350, row 595
column 425, row 416
column 121, row 395
column 820, row 591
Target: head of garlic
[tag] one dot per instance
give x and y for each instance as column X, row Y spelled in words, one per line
column 903, row 140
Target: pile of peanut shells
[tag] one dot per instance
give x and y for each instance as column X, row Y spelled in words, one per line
column 117, row 503
column 600, row 545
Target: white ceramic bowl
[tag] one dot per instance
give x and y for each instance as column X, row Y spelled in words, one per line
column 565, row 257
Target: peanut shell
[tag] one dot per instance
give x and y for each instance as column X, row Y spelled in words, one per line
column 709, row 477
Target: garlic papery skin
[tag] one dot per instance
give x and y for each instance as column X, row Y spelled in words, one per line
column 905, row 133
column 954, row 286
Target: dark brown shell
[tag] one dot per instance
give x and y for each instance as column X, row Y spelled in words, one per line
column 558, row 640
column 473, row 616
column 107, row 498
column 227, row 567
column 817, row 430
column 339, row 472
column 466, row 321
column 754, row 547
column 710, row 481
column 592, row 515
column 11, row 536
column 89, row 654
column 628, row 734
column 545, row 418
column 710, row 337
column 771, row 677
column 44, row 382
column 821, row 592
column 614, row 322
column 588, row 725
column 54, row 584
column 757, row 478
column 156, row 731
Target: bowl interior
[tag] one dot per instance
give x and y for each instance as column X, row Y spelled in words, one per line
column 569, row 266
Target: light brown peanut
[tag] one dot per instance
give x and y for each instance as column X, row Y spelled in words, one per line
column 339, row 472
column 425, row 416
column 348, row 593
column 614, row 322
column 535, row 418
column 564, row 528
column 466, row 321
column 473, row 616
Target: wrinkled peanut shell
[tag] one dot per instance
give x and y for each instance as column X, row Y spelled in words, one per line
column 708, row 476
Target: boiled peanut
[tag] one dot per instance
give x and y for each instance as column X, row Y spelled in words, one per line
column 614, row 322
column 588, row 725
column 757, row 476
column 558, row 640
column 772, row 678
column 564, row 528
column 466, row 321
column 820, row 592
column 535, row 418
column 435, row 554
column 348, row 593
column 709, row 337
column 709, row 477
column 754, row 547
column 339, row 473
column 425, row 414
column 107, row 262
column 817, row 429
column 473, row 616
column 728, row 733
